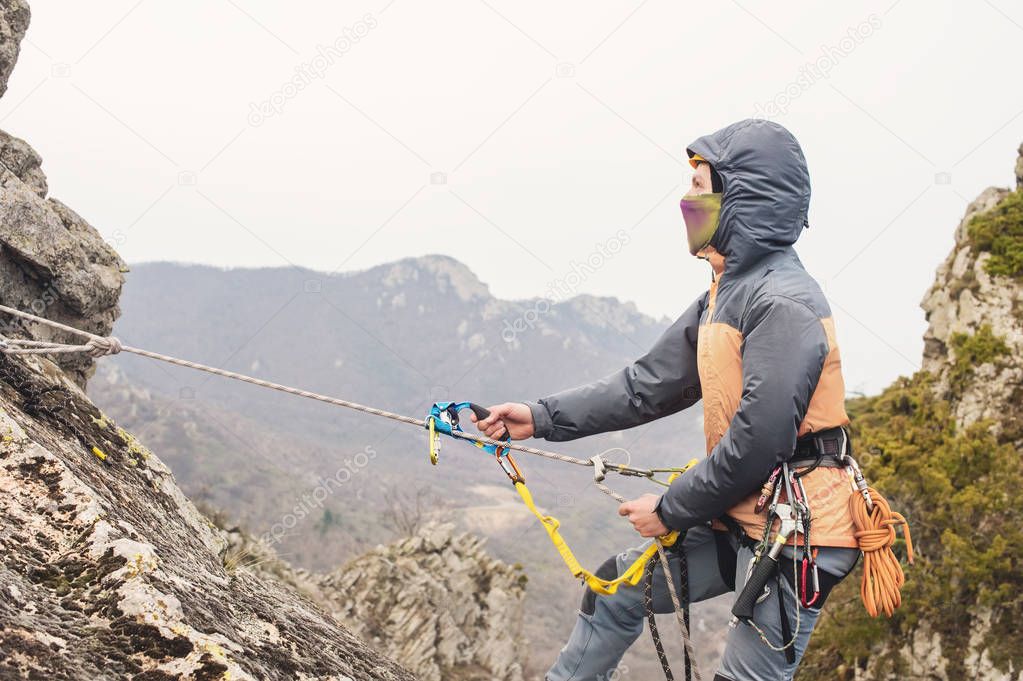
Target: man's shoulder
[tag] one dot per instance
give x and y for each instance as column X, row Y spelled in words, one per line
column 787, row 282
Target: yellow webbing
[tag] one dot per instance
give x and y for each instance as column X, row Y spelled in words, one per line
column 601, row 586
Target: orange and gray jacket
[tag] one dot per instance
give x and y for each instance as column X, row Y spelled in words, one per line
column 759, row 348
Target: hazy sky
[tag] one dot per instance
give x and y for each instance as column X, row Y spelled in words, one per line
column 523, row 137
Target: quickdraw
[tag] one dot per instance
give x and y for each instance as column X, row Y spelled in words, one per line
column 443, row 419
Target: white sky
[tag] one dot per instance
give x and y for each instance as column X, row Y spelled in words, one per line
column 142, row 113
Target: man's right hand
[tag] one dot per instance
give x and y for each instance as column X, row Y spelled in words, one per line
column 514, row 416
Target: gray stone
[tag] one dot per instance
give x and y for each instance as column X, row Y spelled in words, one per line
column 21, row 159
column 14, row 19
column 963, row 298
column 436, row 603
column 52, row 262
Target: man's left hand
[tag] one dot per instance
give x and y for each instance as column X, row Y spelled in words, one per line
column 641, row 514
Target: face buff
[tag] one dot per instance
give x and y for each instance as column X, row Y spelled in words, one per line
column 701, row 214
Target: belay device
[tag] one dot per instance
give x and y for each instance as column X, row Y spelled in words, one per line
column 443, row 418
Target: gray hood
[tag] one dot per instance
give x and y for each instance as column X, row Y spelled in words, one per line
column 766, row 189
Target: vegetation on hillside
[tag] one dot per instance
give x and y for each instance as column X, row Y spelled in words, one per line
column 999, row 231
column 959, row 489
column 971, row 351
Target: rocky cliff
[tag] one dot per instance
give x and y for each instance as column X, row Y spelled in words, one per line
column 977, row 296
column 437, row 603
column 109, row 572
column 945, row 446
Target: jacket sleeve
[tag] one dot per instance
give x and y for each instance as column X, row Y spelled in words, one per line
column 661, row 382
column 783, row 355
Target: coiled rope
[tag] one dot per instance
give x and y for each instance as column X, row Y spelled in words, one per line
column 883, row 577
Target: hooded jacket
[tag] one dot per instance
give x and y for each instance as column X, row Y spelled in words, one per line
column 758, row 347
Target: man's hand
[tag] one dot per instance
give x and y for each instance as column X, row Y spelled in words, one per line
column 513, row 416
column 641, row 514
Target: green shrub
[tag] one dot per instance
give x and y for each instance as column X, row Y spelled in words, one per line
column 999, row 231
column 971, row 351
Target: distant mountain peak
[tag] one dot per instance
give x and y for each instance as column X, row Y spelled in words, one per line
column 449, row 275
column 608, row 312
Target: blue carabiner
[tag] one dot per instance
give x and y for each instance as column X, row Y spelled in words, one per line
column 443, row 418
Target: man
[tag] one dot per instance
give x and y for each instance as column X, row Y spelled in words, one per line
column 759, row 348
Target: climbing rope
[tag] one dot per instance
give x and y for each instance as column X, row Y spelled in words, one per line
column 681, row 613
column 651, row 619
column 883, row 578
column 98, row 346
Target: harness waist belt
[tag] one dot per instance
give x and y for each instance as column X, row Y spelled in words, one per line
column 822, row 449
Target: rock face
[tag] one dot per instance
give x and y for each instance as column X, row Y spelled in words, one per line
column 14, row 17
column 52, row 262
column 964, row 299
column 436, row 603
column 109, row 572
column 1019, row 169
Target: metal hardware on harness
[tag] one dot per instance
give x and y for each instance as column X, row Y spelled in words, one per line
column 809, row 561
column 766, row 567
column 767, row 491
column 857, row 474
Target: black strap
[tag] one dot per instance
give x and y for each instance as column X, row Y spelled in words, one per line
column 786, row 629
column 827, row 581
column 735, row 529
column 826, row 444
column 727, row 559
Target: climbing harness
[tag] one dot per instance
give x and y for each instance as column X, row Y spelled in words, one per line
column 441, row 420
column 875, row 523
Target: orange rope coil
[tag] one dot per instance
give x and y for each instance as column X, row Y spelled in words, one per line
column 883, row 578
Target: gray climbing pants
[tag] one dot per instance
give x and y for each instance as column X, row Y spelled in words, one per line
column 607, row 625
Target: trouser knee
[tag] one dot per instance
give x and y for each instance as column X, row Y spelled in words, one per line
column 607, row 570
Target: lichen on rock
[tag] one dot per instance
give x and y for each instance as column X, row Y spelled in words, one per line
column 108, row 570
